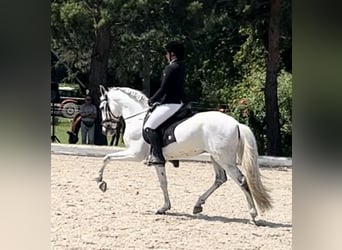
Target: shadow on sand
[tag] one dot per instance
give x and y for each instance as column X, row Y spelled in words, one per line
column 263, row 223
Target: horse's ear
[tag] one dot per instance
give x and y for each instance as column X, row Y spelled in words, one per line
column 102, row 90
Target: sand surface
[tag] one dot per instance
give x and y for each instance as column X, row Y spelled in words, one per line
column 83, row 217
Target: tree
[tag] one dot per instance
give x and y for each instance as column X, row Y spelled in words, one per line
column 83, row 23
column 72, row 32
column 100, row 50
column 259, row 52
column 271, row 94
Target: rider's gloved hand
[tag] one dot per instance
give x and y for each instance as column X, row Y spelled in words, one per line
column 153, row 105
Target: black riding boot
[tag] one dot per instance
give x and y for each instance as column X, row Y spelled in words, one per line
column 156, row 154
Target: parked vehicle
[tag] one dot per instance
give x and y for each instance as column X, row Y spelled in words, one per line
column 69, row 103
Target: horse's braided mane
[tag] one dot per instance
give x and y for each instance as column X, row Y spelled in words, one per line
column 136, row 94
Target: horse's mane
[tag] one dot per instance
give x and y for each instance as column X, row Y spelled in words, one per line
column 135, row 94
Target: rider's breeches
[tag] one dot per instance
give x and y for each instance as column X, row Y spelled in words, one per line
column 161, row 114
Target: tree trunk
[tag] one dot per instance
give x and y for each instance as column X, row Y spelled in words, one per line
column 146, row 71
column 98, row 73
column 271, row 93
column 99, row 60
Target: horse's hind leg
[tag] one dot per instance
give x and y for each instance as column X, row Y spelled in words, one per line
column 163, row 184
column 240, row 179
column 220, row 178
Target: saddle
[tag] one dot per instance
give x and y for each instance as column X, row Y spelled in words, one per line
column 167, row 128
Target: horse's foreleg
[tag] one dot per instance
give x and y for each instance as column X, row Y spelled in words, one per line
column 128, row 155
column 220, row 178
column 240, row 179
column 112, row 140
column 163, row 184
column 117, row 138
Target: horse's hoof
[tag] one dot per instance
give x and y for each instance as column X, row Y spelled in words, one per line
column 197, row 209
column 161, row 211
column 253, row 213
column 253, row 222
column 98, row 179
column 103, row 186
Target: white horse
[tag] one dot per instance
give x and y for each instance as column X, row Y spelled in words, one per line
column 228, row 142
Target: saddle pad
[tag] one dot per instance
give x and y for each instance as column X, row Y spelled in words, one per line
column 169, row 132
column 167, row 128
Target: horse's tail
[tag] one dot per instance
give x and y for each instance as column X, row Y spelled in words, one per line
column 248, row 155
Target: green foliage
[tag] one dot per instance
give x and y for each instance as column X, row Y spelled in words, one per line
column 72, row 32
column 62, row 125
column 194, row 8
column 285, row 109
column 246, row 98
column 247, row 105
column 214, row 48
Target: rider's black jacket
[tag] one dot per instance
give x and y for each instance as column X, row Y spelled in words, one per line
column 172, row 85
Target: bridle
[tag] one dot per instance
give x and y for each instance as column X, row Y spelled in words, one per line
column 113, row 118
column 110, row 117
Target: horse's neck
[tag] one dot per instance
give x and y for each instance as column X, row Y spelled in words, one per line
column 130, row 105
column 129, row 110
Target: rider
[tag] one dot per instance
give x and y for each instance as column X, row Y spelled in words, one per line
column 171, row 97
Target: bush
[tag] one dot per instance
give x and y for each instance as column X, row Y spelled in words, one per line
column 247, row 105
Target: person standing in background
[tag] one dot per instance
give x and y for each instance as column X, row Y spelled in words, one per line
column 88, row 115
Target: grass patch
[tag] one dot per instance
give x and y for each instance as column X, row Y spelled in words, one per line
column 62, row 125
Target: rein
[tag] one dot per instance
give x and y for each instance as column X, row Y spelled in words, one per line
column 129, row 117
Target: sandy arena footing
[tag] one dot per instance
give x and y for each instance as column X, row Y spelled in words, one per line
column 83, row 217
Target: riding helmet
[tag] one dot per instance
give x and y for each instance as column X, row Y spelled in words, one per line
column 177, row 48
